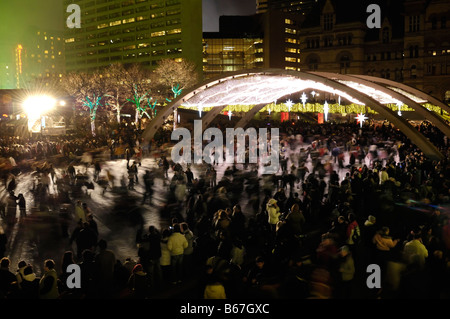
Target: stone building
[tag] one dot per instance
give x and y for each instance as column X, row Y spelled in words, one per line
column 411, row 44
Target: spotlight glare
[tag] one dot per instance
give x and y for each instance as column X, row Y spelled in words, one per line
column 35, row 106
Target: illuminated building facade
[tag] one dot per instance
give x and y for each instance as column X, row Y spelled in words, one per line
column 38, row 58
column 412, row 46
column 232, row 48
column 44, row 58
column 134, row 31
column 265, row 40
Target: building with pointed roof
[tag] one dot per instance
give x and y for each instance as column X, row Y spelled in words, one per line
column 411, row 46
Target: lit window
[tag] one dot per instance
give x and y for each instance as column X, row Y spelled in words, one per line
column 158, row 34
column 114, row 23
column 290, row 59
column 291, row 50
column 174, row 31
column 130, row 20
column 103, row 25
column 290, row 68
column 290, row 31
column 288, row 21
column 70, row 40
column 290, row 40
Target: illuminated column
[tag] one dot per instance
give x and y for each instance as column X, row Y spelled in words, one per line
column 18, row 65
column 304, row 99
column 289, row 104
column 399, row 104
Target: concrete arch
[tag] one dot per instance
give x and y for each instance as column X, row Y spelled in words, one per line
column 405, row 88
column 429, row 115
column 421, row 141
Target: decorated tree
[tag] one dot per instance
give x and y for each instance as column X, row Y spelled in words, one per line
column 173, row 77
column 137, row 85
column 89, row 90
column 116, row 76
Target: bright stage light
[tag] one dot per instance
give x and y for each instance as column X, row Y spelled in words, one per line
column 35, row 106
column 361, row 118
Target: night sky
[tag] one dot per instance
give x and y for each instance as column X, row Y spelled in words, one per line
column 213, row 9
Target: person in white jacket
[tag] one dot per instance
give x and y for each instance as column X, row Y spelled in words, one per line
column 176, row 244
column 415, row 251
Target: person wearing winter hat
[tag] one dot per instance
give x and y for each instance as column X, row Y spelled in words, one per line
column 19, row 273
column 138, row 282
column 29, row 287
column 368, row 231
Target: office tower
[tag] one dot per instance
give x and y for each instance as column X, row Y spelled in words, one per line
column 265, row 40
column 238, row 45
column 134, row 31
column 40, row 58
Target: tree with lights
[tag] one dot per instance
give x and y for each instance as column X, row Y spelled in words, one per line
column 116, row 75
column 173, row 77
column 138, row 84
column 89, row 90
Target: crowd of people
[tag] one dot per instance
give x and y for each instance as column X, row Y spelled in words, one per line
column 344, row 198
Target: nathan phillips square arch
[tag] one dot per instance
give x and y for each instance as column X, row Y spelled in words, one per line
column 260, row 87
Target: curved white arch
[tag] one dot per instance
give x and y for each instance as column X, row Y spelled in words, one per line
column 284, row 82
column 427, row 114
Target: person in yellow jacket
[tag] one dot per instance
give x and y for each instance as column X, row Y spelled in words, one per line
column 214, row 290
column 273, row 212
column 176, row 244
column 48, row 285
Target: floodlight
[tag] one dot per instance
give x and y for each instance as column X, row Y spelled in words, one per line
column 35, row 106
